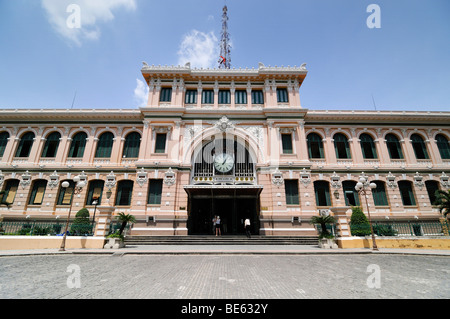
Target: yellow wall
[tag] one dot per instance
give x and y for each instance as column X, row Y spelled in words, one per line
column 50, row 242
column 415, row 243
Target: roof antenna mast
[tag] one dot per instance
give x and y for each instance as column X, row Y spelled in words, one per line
column 225, row 47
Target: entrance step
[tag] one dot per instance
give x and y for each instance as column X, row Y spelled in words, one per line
column 221, row 240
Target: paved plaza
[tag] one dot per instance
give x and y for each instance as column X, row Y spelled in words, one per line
column 210, row 276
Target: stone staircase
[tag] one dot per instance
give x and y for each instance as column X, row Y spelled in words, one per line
column 221, row 240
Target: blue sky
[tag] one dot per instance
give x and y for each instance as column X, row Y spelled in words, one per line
column 404, row 65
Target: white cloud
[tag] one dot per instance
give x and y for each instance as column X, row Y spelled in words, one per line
column 141, row 93
column 63, row 16
column 199, row 48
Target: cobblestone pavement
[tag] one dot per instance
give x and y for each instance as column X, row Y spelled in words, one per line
column 225, row 277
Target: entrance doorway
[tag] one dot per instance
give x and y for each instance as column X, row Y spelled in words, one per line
column 233, row 207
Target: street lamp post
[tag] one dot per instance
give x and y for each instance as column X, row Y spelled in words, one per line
column 95, row 203
column 363, row 187
column 77, row 190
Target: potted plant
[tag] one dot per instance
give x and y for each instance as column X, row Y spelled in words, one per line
column 326, row 239
column 443, row 203
column 115, row 241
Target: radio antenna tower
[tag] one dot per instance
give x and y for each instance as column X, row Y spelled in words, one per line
column 225, row 47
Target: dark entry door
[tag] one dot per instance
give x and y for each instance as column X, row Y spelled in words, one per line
column 233, row 210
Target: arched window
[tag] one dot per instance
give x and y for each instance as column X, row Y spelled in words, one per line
column 132, row 145
column 95, row 191
column 442, row 144
column 104, row 146
column 368, row 147
column 379, row 194
column 11, row 187
column 394, row 147
column 25, row 145
column 341, row 146
column 51, row 145
column 4, row 136
column 350, row 194
column 406, row 193
column 419, row 146
column 37, row 192
column 124, row 192
column 315, row 146
column 322, row 192
column 432, row 187
column 78, row 145
column 66, row 193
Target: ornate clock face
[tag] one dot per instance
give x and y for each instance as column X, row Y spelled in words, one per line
column 223, row 162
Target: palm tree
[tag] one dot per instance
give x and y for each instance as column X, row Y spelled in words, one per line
column 323, row 221
column 125, row 219
column 443, row 201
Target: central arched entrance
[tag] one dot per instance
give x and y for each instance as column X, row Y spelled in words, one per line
column 223, row 183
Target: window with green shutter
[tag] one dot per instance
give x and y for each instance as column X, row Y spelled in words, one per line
column 10, row 191
column 419, row 147
column 4, row 136
column 160, row 143
column 341, row 146
column 406, row 193
column 432, row 187
column 132, row 145
column 322, row 192
column 224, row 97
column 240, row 97
column 315, row 146
column 282, row 96
column 51, row 145
column 155, row 191
column 124, row 193
column 104, row 145
column 379, row 194
column 25, row 145
column 78, row 145
column 165, row 95
column 207, row 97
column 394, row 147
column 350, row 194
column 190, row 97
column 443, row 146
column 66, row 193
column 37, row 192
column 95, row 191
column 286, row 140
column 368, row 146
column 257, row 97
column 291, row 189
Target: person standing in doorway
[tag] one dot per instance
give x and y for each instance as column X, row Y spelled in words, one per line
column 214, row 224
column 218, row 224
column 247, row 227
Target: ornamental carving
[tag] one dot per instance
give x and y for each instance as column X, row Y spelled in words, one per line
column 169, row 177
column 390, row 180
column 54, row 180
column 224, row 124
column 418, row 181
column 141, row 177
column 26, row 180
column 336, row 181
column 277, row 178
column 445, row 180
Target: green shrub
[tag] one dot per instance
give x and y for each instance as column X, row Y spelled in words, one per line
column 359, row 224
column 81, row 225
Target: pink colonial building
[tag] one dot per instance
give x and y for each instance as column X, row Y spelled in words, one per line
column 229, row 142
